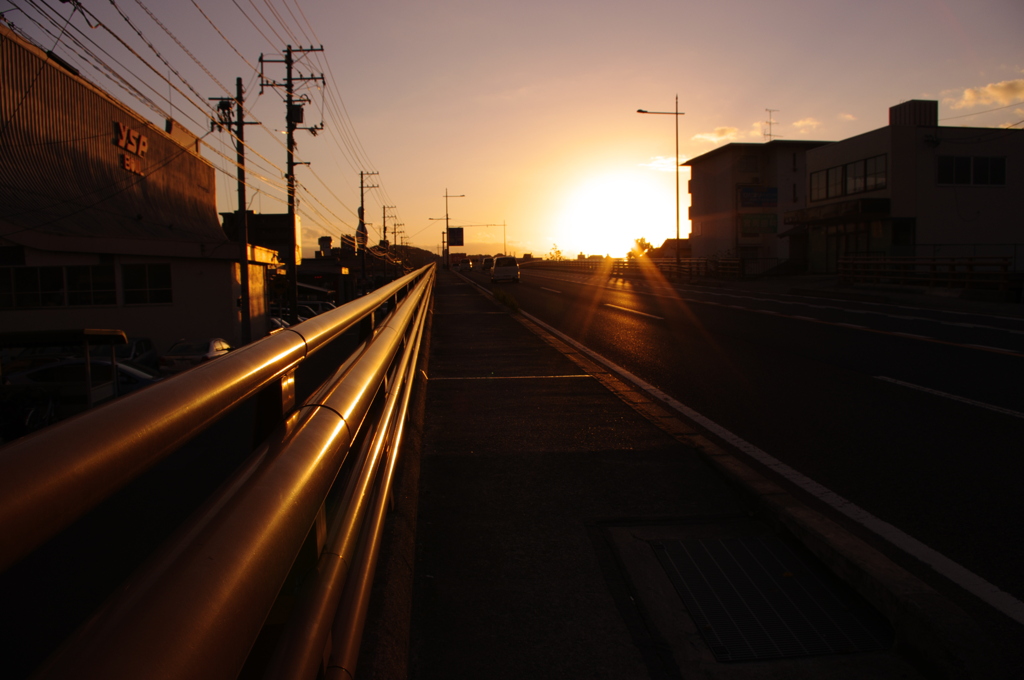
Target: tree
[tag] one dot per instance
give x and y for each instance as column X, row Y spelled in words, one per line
column 641, row 247
column 555, row 253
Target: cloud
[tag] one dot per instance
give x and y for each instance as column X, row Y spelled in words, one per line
column 663, row 163
column 720, row 134
column 1004, row 93
column 847, row 116
column 806, row 124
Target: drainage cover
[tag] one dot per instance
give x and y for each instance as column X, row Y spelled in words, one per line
column 755, row 598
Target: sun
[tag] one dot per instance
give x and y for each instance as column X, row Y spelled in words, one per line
column 605, row 214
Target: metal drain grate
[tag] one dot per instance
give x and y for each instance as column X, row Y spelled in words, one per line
column 754, row 598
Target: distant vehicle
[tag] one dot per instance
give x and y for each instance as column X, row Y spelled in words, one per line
column 185, row 354
column 505, row 269
column 488, row 264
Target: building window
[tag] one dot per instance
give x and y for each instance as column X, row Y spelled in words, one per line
column 849, row 179
column 835, row 182
column 977, row 170
column 26, row 287
column 91, row 285
column 855, row 177
column 146, row 283
column 818, row 186
column 875, row 173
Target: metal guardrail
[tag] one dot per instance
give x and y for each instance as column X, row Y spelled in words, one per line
column 197, row 607
column 953, row 272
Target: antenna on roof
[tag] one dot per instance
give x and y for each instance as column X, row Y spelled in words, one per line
column 767, row 132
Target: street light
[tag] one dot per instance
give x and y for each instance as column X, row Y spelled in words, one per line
column 675, row 113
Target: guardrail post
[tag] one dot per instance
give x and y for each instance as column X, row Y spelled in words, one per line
column 273, row 404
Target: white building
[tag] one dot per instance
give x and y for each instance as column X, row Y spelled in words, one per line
column 912, row 188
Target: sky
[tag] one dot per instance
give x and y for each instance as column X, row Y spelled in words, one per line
column 525, row 113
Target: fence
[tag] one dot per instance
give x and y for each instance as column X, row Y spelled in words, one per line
column 954, row 272
column 320, row 478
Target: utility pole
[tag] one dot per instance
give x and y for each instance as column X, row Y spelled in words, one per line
column 394, row 227
column 224, row 105
column 294, row 116
column 362, row 237
column 384, row 233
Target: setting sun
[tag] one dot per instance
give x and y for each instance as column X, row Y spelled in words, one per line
column 605, row 214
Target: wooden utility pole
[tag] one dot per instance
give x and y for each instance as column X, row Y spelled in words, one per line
column 224, row 120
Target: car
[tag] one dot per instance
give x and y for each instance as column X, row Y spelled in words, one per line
column 487, row 265
column 129, row 377
column 64, row 386
column 138, row 351
column 184, row 354
column 505, row 269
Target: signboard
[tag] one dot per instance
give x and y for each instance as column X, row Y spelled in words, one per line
column 455, row 236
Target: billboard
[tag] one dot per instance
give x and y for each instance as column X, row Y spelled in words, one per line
column 455, row 236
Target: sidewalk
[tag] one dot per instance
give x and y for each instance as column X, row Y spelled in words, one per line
column 549, row 510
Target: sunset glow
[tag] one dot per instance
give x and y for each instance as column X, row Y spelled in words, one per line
column 605, row 214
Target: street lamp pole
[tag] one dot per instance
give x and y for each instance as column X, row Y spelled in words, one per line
column 675, row 113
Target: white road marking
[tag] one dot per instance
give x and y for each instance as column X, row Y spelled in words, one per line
column 634, row 311
column 961, row 576
column 551, row 290
column 965, row 400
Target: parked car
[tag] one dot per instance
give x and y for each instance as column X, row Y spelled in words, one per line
column 129, row 378
column 505, row 269
column 139, row 352
column 64, row 385
column 185, row 354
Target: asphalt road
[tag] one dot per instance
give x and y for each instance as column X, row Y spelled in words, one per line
column 915, row 415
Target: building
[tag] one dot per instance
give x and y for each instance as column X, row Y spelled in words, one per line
column 107, row 221
column 739, row 193
column 912, row 188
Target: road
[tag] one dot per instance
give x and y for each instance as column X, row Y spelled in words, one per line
column 914, row 415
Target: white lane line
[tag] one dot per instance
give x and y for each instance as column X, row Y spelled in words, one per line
column 961, row 576
column 965, row 400
column 551, row 290
column 634, row 311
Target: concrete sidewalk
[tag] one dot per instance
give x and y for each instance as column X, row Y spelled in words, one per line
column 546, row 488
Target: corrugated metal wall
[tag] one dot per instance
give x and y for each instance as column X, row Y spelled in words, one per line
column 62, row 171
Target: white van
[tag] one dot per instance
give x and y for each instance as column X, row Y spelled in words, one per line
column 505, row 269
